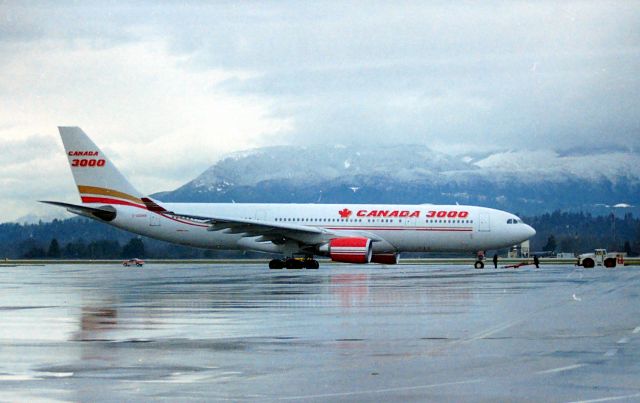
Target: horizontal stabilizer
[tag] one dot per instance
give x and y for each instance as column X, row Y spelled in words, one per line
column 105, row 213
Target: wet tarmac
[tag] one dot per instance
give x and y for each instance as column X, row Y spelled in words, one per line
column 341, row 333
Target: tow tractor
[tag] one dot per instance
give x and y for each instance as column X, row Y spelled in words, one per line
column 600, row 257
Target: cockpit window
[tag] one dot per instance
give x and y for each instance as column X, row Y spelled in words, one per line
column 514, row 221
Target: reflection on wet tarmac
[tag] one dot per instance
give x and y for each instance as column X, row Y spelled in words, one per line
column 103, row 333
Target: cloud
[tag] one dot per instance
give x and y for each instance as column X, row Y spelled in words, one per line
column 161, row 122
column 489, row 75
column 32, row 169
column 167, row 88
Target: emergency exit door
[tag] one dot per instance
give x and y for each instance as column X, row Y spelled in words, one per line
column 484, row 222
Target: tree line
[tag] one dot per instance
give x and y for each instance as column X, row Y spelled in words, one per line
column 580, row 232
column 81, row 238
column 102, row 249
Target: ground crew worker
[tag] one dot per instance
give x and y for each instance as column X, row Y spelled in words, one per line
column 495, row 260
column 536, row 261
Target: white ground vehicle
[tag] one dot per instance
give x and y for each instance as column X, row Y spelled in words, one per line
column 600, row 257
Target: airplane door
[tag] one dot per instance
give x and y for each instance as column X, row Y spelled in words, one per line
column 154, row 220
column 409, row 236
column 484, row 222
column 261, row 215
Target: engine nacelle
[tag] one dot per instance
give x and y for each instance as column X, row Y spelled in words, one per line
column 350, row 250
column 385, row 258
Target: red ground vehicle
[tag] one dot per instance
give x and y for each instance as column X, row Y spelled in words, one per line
column 133, row 262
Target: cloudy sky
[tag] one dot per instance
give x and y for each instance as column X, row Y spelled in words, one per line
column 168, row 88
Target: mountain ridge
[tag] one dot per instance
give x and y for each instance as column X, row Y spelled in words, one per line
column 530, row 182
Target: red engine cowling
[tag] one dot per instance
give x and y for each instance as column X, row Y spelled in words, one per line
column 350, row 250
column 386, row 258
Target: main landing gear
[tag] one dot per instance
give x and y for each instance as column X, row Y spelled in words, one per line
column 293, row 263
column 479, row 264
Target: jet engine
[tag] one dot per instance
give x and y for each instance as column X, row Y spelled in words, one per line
column 350, row 250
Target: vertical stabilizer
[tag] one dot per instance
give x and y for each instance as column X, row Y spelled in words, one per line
column 98, row 180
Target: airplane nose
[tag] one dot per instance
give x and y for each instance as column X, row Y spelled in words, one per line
column 530, row 231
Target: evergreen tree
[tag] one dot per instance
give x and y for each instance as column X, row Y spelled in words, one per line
column 134, row 248
column 54, row 249
column 551, row 244
column 75, row 250
column 627, row 248
column 35, row 252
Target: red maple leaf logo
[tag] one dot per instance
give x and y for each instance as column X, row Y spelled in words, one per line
column 344, row 213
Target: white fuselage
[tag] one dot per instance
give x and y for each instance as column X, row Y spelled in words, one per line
column 398, row 228
column 356, row 233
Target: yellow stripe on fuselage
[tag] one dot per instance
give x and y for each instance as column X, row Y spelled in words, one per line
column 107, row 192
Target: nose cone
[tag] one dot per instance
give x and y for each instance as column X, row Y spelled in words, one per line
column 529, row 231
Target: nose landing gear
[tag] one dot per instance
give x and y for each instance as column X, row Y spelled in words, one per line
column 479, row 264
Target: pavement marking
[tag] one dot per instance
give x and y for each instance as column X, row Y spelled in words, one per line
column 623, row 340
column 636, row 330
column 491, row 331
column 561, row 369
column 55, row 374
column 374, row 391
column 606, row 399
column 16, row 377
column 611, row 352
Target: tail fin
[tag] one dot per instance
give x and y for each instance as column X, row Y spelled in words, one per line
column 98, row 180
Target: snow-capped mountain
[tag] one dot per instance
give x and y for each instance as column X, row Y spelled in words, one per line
column 313, row 164
column 525, row 182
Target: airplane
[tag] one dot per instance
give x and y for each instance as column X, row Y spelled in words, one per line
column 348, row 233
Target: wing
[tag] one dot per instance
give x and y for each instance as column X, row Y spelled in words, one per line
column 266, row 230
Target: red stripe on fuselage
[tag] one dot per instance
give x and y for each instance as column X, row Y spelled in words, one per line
column 184, row 222
column 87, row 199
column 448, row 229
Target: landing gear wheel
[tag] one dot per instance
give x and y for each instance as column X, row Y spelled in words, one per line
column 292, row 263
column 276, row 264
column 311, row 264
column 478, row 265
